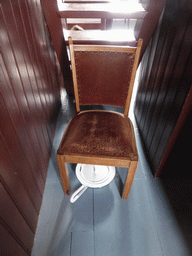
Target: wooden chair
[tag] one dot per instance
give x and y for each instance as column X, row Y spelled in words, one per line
column 85, row 24
column 102, row 75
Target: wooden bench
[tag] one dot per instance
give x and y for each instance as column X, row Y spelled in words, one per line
column 101, row 37
column 112, row 10
column 69, row 23
column 86, row 1
column 103, row 11
column 85, row 24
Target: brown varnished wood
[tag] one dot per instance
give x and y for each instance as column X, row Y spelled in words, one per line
column 19, row 227
column 105, row 48
column 54, row 24
column 129, row 179
column 29, row 106
column 164, row 84
column 86, row 1
column 69, row 26
column 100, row 37
column 98, row 160
column 146, row 28
column 135, row 65
column 64, row 173
column 74, row 75
column 172, row 144
column 13, row 182
column 8, row 238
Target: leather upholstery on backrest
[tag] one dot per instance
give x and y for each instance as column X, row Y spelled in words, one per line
column 103, row 77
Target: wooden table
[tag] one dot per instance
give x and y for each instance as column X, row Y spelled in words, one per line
column 87, row 1
column 101, row 37
column 112, row 10
column 104, row 11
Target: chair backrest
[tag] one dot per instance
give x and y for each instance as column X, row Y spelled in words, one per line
column 104, row 75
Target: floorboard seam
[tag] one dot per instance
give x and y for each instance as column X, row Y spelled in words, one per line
column 154, row 221
column 71, row 245
column 141, row 159
column 93, row 222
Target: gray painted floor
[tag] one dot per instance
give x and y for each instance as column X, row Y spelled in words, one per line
column 100, row 223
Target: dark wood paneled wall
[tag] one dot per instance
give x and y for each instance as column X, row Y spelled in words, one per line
column 29, row 105
column 145, row 29
column 53, row 20
column 166, row 78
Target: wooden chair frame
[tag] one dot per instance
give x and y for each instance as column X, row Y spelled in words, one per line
column 131, row 163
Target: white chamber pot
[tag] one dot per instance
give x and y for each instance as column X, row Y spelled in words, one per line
column 92, row 176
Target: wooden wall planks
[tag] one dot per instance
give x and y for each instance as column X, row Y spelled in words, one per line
column 165, row 79
column 53, row 20
column 29, row 106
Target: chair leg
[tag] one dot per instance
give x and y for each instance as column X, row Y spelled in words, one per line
column 64, row 173
column 129, row 179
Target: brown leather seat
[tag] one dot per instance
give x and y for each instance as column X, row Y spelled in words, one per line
column 100, row 133
column 101, row 75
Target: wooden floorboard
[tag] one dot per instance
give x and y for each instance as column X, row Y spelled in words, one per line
column 100, row 223
column 83, row 240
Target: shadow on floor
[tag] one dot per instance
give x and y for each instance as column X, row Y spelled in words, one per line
column 179, row 194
